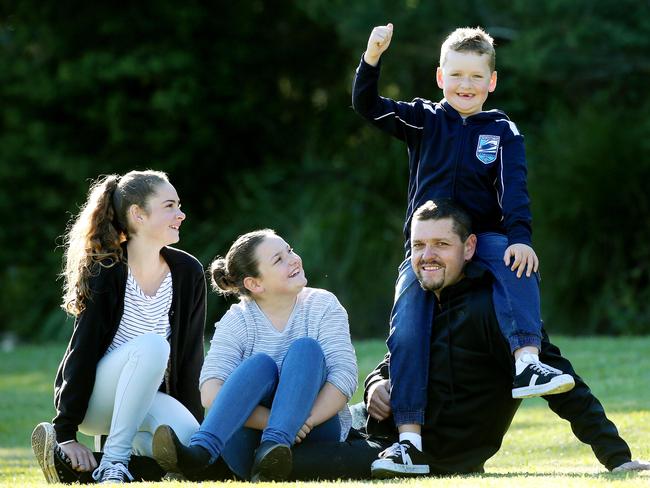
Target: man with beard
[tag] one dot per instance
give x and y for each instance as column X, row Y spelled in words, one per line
column 470, row 405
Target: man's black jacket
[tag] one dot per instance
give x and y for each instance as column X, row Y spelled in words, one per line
column 470, row 405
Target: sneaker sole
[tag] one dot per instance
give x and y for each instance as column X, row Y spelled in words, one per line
column 164, row 449
column 275, row 466
column 43, row 441
column 562, row 384
column 384, row 469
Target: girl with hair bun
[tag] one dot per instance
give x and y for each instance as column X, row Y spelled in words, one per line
column 136, row 349
column 280, row 369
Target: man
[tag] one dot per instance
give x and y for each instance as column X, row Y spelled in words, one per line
column 469, row 401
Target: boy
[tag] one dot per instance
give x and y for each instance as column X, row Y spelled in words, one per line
column 476, row 158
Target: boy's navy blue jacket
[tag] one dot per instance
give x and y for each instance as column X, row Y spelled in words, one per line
column 478, row 162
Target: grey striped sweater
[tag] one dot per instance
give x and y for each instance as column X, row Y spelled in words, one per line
column 244, row 330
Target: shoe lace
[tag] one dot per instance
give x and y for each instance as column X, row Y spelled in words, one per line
column 394, row 450
column 545, row 369
column 64, row 457
column 111, row 471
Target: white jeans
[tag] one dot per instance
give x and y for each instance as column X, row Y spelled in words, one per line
column 126, row 404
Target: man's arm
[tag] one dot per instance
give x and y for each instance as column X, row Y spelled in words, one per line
column 376, row 396
column 585, row 413
column 380, row 373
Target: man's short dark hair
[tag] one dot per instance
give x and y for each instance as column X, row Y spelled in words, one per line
column 446, row 209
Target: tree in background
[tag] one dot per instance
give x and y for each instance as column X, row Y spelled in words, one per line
column 247, row 105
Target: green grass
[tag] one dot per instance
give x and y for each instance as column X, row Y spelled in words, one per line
column 539, row 450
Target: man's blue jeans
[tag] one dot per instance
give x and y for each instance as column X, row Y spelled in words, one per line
column 516, row 304
column 289, row 393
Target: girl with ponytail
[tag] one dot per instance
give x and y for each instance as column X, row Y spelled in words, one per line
column 280, row 369
column 136, row 349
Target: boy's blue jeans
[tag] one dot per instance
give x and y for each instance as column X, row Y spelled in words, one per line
column 516, row 304
column 289, row 393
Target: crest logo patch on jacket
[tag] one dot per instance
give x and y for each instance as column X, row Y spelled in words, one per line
column 487, row 148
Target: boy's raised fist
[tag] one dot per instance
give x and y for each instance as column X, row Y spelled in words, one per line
column 378, row 42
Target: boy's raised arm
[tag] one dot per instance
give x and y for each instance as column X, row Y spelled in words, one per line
column 402, row 120
column 378, row 42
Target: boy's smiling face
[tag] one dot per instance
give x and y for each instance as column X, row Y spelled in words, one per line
column 465, row 79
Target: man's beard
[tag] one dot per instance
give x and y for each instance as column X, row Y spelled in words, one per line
column 431, row 285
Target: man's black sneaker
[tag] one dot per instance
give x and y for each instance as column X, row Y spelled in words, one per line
column 174, row 457
column 109, row 472
column 273, row 462
column 400, row 459
column 534, row 378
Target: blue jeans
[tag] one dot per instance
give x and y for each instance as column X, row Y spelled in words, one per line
column 289, row 393
column 516, row 304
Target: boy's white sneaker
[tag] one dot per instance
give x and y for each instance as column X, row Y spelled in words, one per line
column 534, row 378
column 400, row 460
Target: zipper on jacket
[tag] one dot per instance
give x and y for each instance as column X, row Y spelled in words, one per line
column 459, row 152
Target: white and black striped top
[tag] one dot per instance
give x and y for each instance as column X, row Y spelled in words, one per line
column 144, row 314
column 245, row 330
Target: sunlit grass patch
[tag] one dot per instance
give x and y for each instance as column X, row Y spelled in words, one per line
column 539, row 450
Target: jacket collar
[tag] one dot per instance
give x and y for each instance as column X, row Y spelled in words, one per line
column 485, row 115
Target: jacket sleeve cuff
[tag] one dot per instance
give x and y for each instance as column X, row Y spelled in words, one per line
column 65, row 434
column 367, row 67
column 616, row 461
column 520, row 235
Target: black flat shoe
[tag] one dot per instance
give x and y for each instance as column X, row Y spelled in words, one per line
column 54, row 463
column 174, row 457
column 272, row 462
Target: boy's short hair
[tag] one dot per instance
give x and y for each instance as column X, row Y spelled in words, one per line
column 472, row 40
column 446, row 209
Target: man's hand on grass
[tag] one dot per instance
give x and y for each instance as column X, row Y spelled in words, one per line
column 637, row 465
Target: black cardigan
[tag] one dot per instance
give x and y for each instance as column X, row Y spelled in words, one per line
column 96, row 326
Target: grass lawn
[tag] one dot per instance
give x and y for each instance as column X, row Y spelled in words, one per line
column 547, row 454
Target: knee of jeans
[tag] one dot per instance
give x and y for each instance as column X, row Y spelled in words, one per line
column 154, row 347
column 263, row 361
column 307, row 346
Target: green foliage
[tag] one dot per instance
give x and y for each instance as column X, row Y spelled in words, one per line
column 341, row 252
column 598, row 271
column 247, row 106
